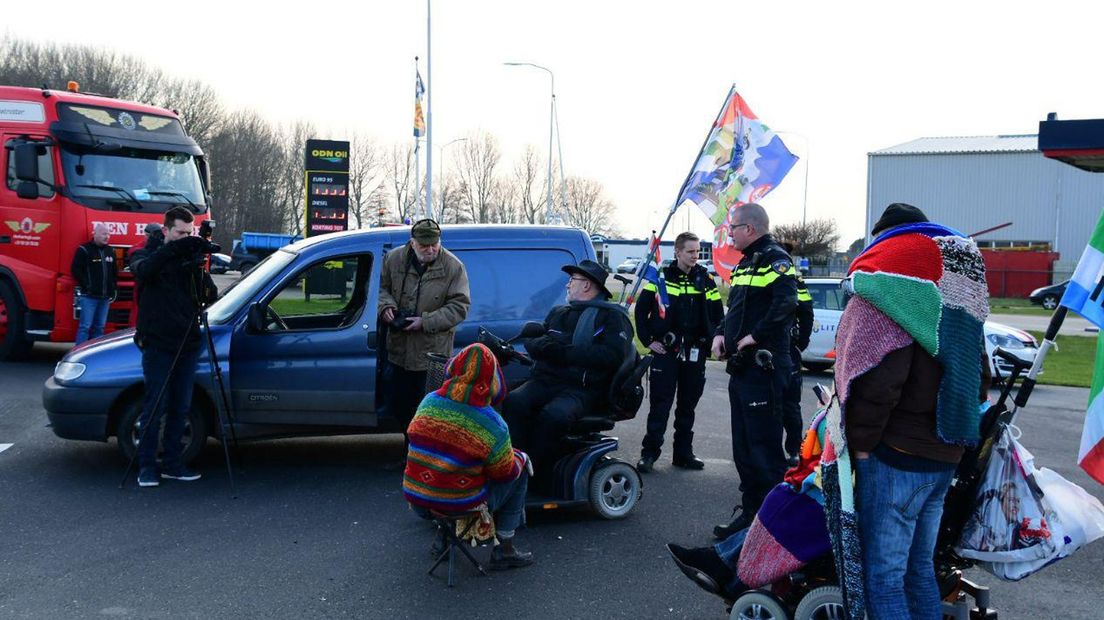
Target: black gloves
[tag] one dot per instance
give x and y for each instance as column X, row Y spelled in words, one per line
column 188, row 246
column 547, row 348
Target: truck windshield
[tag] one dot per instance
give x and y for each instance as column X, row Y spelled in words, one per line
column 243, row 291
column 155, row 180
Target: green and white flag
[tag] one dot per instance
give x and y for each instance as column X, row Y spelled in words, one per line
column 1085, row 295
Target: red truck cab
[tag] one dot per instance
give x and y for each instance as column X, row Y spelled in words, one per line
column 75, row 160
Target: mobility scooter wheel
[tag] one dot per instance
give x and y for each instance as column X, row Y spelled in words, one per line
column 614, row 489
column 823, row 603
column 758, row 605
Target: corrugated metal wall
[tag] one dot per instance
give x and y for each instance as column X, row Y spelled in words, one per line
column 1046, row 200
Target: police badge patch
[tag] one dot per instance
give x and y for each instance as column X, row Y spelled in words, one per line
column 781, row 266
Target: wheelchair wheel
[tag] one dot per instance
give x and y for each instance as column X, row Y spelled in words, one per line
column 758, row 605
column 823, row 603
column 614, row 489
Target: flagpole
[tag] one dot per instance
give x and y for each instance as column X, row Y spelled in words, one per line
column 429, row 114
column 651, row 253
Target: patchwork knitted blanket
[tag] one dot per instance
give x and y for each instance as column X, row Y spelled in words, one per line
column 922, row 283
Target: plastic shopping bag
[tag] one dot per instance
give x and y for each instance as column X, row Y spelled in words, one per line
column 1010, row 518
column 1075, row 517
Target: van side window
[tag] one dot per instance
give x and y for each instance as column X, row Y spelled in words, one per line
column 45, row 169
column 326, row 295
column 514, row 283
column 827, row 297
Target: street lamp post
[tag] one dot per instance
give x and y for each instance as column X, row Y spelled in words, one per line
column 441, row 179
column 551, row 125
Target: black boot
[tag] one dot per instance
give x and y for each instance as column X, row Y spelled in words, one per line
column 703, row 566
column 742, row 521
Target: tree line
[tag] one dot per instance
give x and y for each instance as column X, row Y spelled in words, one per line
column 258, row 179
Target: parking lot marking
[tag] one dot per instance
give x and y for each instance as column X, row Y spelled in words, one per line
column 5, row 446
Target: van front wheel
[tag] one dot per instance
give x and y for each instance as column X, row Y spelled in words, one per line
column 128, row 433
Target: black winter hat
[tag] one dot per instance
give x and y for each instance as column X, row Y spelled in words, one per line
column 896, row 214
column 591, row 271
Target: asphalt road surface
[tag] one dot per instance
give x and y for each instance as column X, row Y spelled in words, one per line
column 320, row 529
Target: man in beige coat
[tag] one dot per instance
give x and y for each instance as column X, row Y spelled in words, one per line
column 423, row 297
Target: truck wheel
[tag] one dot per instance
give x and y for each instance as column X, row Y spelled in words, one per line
column 614, row 489
column 14, row 343
column 127, row 431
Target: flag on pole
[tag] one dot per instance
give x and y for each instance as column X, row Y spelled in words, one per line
column 653, row 273
column 1085, row 296
column 419, row 90
column 741, row 161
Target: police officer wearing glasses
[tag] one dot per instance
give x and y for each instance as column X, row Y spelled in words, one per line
column 755, row 339
column 679, row 339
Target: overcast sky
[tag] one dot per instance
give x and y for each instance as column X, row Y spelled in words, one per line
column 638, row 83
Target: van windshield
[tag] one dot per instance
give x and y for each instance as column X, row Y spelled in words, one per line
column 242, row 291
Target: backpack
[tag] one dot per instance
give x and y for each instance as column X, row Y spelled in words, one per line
column 626, row 392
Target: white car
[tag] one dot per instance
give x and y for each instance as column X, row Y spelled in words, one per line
column 828, row 303
column 708, row 264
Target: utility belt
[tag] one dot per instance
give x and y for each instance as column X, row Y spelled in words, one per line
column 751, row 357
column 694, row 351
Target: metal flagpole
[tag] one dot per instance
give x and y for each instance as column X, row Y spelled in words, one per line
column 429, row 114
column 674, row 207
column 559, row 146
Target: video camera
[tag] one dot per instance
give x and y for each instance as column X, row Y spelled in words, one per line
column 402, row 319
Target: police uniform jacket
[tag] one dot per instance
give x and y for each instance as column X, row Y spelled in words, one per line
column 762, row 300
column 585, row 362
column 803, row 320
column 94, row 269
column 694, row 313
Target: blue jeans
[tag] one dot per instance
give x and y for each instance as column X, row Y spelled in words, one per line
column 175, row 403
column 93, row 317
column 899, row 513
column 729, row 552
column 506, row 501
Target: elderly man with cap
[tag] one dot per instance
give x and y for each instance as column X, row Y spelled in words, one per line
column 576, row 359
column 423, row 297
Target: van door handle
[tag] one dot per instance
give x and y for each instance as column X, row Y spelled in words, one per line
column 373, row 340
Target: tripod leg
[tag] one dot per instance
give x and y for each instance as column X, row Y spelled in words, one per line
column 220, row 402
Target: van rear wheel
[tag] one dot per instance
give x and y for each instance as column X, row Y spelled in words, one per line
column 14, row 343
column 127, row 431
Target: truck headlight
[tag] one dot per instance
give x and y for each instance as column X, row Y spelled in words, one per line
column 68, row 371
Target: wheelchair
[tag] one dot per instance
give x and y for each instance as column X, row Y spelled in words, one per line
column 586, row 474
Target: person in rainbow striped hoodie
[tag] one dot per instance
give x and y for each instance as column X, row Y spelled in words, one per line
column 460, row 456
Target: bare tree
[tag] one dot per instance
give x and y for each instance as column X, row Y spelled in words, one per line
column 366, row 167
column 452, row 205
column 250, row 159
column 814, row 239
column 529, row 187
column 400, row 176
column 588, row 208
column 479, row 158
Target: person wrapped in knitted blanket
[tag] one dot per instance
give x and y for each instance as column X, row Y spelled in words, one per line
column 460, row 457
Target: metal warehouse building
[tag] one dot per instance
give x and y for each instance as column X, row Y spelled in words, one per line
column 978, row 183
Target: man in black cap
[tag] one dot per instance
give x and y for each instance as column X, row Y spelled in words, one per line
column 585, row 342
column 424, row 295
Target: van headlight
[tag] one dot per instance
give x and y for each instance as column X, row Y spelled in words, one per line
column 68, row 371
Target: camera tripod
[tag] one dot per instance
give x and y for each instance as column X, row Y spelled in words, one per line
column 222, row 403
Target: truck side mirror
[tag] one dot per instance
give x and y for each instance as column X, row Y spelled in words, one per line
column 27, row 190
column 26, row 163
column 256, row 318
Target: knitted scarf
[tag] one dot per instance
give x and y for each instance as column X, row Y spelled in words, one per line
column 922, row 283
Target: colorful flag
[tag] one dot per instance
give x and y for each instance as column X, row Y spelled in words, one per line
column 653, row 273
column 742, row 161
column 1085, row 295
column 419, row 90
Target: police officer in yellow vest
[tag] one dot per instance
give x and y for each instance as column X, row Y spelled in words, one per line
column 679, row 338
column 755, row 339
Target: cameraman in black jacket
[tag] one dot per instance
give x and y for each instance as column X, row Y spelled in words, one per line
column 174, row 288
